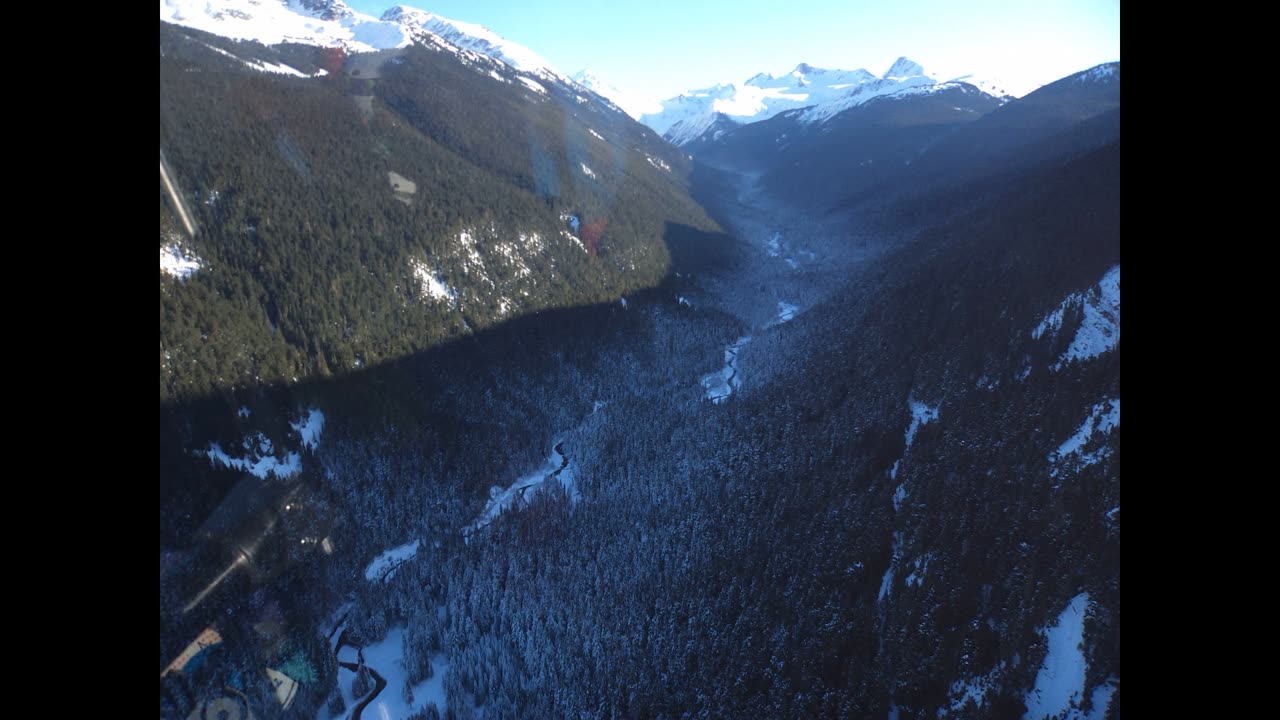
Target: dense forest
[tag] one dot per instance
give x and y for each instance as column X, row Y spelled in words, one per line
column 881, row 518
column 314, row 261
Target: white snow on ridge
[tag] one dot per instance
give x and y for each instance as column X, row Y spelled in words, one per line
column 271, row 23
column 177, row 263
column 1099, row 329
column 864, row 93
column 595, row 134
column 1059, row 686
column 383, row 567
column 627, row 102
column 533, row 85
column 688, row 128
column 1104, row 71
column 1104, row 417
column 473, row 37
column 588, row 171
column 277, row 68
column 1050, row 323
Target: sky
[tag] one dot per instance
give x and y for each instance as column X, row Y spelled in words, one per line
column 660, row 48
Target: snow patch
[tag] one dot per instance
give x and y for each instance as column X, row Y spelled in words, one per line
column 921, row 414
column 533, row 85
column 176, row 262
column 432, row 287
column 595, row 134
column 786, row 311
column 1104, row 417
column 1101, row 699
column 588, row 171
column 387, row 658
column 309, row 428
column 629, row 103
column 1059, row 686
column 1099, row 329
column 260, row 452
column 276, row 68
column 384, row 566
column 258, row 461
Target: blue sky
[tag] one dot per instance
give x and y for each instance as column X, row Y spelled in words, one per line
column 659, row 48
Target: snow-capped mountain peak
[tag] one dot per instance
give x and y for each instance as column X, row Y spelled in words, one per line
column 326, row 9
column 630, row 103
column 1106, row 72
column 470, row 36
column 333, row 22
column 825, row 92
column 904, row 68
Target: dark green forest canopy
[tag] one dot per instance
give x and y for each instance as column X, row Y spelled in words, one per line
column 313, row 264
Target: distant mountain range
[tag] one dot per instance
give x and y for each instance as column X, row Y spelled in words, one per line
column 905, row 135
column 681, row 119
column 823, row 93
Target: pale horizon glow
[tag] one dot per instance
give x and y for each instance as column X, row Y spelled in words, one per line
column 661, row 48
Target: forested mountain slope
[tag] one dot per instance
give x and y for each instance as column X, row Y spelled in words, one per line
column 354, row 217
column 904, row 503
